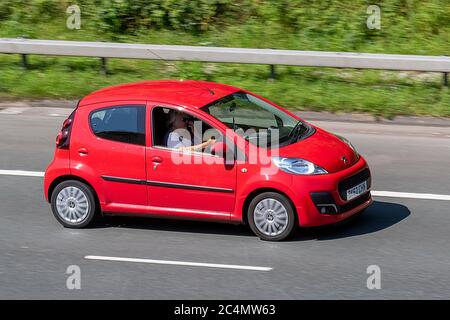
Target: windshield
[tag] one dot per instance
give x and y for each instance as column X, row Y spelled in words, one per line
column 256, row 120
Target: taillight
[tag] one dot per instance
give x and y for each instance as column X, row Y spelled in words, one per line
column 63, row 137
column 67, row 122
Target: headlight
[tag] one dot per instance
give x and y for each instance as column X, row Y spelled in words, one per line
column 297, row 166
column 350, row 145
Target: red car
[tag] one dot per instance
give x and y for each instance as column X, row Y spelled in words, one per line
column 201, row 150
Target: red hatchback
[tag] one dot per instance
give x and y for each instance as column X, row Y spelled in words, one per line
column 201, row 150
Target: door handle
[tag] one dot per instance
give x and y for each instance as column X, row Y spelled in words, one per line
column 157, row 159
column 83, row 151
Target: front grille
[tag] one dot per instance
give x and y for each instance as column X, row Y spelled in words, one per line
column 352, row 181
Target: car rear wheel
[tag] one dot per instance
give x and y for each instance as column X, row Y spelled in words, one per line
column 271, row 216
column 73, row 204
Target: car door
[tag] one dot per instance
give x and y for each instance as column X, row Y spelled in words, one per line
column 192, row 184
column 111, row 146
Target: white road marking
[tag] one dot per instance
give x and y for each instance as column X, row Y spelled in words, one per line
column 13, row 110
column 21, row 173
column 387, row 194
column 180, row 263
column 425, row 196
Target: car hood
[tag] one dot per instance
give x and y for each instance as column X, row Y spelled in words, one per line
column 323, row 149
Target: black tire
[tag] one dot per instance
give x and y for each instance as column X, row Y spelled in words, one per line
column 90, row 199
column 291, row 216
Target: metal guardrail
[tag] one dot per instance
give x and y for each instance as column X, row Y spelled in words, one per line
column 227, row 55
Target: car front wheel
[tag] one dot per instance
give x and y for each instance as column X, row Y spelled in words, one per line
column 271, row 216
column 73, row 204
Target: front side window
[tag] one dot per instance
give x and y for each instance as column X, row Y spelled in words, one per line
column 120, row 123
column 178, row 130
column 255, row 119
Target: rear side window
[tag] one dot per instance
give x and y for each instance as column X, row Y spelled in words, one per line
column 120, row 123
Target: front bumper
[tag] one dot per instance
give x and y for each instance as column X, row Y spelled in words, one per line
column 326, row 204
column 321, row 199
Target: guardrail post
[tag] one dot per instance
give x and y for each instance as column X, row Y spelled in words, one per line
column 24, row 61
column 104, row 66
column 272, row 74
column 446, row 79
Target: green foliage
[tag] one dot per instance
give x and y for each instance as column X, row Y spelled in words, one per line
column 31, row 11
column 407, row 26
column 130, row 16
column 5, row 10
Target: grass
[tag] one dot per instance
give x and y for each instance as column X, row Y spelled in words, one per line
column 381, row 93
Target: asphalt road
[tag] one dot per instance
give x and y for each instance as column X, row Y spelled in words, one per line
column 408, row 239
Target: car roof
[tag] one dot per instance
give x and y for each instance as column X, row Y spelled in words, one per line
column 191, row 93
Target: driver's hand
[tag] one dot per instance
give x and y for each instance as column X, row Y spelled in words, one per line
column 211, row 141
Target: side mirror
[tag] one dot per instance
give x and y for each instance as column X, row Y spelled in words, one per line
column 219, row 149
column 222, row 150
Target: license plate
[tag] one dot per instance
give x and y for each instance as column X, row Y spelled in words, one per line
column 357, row 190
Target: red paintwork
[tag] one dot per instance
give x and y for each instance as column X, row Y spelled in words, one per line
column 90, row 157
column 189, row 93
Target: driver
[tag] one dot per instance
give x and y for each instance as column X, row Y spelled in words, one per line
column 179, row 122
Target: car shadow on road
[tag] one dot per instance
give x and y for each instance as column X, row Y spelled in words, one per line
column 173, row 225
column 379, row 216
